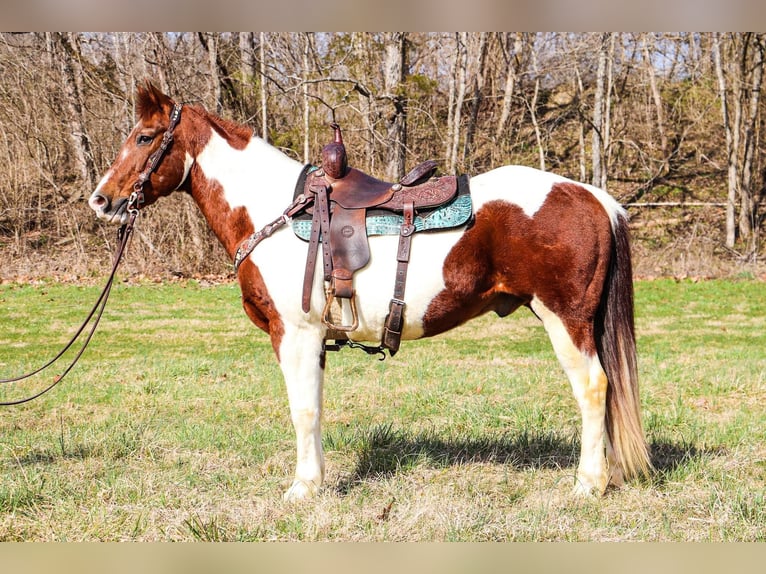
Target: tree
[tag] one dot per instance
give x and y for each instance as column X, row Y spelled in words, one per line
column 739, row 61
column 479, row 58
column 395, row 71
column 457, row 90
column 264, row 93
column 512, row 45
column 602, row 109
column 748, row 196
column 67, row 55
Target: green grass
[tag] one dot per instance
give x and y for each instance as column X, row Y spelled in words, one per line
column 174, row 426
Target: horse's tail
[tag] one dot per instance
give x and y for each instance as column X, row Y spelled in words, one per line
column 616, row 344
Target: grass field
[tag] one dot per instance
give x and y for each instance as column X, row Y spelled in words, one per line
column 174, row 426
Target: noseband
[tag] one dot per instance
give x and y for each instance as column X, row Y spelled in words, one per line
column 123, row 235
column 137, row 197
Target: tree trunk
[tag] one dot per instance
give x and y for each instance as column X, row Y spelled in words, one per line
column 157, row 56
column 533, row 113
column 264, row 99
column 601, row 111
column 451, row 86
column 68, row 56
column 512, row 69
column 731, row 145
column 305, row 89
column 209, row 42
column 581, row 131
column 657, row 98
column 366, row 107
column 747, row 209
column 607, row 129
column 460, row 73
column 247, row 73
column 478, row 85
column 395, row 69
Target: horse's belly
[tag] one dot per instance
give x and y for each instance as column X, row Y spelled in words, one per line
column 281, row 261
column 425, row 279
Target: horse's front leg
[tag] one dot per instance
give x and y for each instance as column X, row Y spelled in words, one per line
column 301, row 358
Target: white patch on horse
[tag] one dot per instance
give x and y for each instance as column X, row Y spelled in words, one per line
column 589, row 384
column 528, row 188
column 188, row 163
column 103, row 180
column 300, row 350
column 257, row 177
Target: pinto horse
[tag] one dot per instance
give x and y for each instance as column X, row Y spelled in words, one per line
column 558, row 247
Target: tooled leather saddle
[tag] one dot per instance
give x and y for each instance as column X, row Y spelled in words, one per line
column 339, row 200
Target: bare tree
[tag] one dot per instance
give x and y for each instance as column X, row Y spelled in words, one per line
column 456, row 100
column 247, row 73
column 532, row 107
column 479, row 60
column 647, row 45
column 395, row 69
column 755, row 44
column 362, row 50
column 307, row 41
column 601, row 110
column 512, row 50
column 67, row 54
column 732, row 143
column 264, row 95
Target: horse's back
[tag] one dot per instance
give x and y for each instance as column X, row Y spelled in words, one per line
column 529, row 188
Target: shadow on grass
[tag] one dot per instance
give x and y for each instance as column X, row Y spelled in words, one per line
column 384, row 451
column 671, row 460
column 50, row 456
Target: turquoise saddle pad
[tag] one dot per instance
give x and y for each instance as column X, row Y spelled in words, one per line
column 453, row 214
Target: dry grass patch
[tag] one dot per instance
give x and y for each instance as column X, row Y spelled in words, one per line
column 175, row 426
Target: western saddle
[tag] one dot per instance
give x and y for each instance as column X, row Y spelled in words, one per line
column 336, row 200
column 341, row 198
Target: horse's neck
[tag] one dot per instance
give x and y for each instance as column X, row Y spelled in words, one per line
column 258, row 178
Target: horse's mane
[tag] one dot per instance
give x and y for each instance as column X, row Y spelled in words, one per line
column 150, row 101
column 237, row 135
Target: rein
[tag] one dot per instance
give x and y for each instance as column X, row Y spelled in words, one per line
column 123, row 236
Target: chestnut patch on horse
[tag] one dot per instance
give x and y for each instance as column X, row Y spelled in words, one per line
column 506, row 258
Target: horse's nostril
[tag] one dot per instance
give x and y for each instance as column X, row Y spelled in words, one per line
column 98, row 201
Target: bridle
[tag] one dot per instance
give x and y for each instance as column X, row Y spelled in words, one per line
column 123, row 236
column 137, row 197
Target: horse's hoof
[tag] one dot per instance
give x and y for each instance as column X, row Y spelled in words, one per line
column 616, row 478
column 585, row 489
column 300, row 490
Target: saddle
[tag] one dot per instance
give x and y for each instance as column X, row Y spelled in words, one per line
column 340, row 198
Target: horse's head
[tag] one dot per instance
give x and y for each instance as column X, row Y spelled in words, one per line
column 111, row 198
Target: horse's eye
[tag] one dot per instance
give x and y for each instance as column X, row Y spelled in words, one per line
column 143, row 140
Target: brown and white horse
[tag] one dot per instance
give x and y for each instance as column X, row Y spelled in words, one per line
column 553, row 245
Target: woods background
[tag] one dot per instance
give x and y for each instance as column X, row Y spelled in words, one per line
column 670, row 124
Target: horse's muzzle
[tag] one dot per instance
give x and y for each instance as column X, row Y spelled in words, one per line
column 113, row 212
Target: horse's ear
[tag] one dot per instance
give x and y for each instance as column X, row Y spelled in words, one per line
column 150, row 100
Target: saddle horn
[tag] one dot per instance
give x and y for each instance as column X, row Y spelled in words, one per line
column 334, row 160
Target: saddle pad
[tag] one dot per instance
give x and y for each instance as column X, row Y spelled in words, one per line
column 457, row 212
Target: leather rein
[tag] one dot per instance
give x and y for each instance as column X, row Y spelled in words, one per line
column 123, row 236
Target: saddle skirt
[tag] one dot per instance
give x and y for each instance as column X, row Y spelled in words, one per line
column 455, row 213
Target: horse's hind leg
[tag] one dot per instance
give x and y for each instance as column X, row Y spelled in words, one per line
column 589, row 384
column 301, row 359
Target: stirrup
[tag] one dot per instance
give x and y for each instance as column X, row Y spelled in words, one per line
column 327, row 317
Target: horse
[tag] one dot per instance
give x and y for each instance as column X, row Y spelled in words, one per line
column 538, row 240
